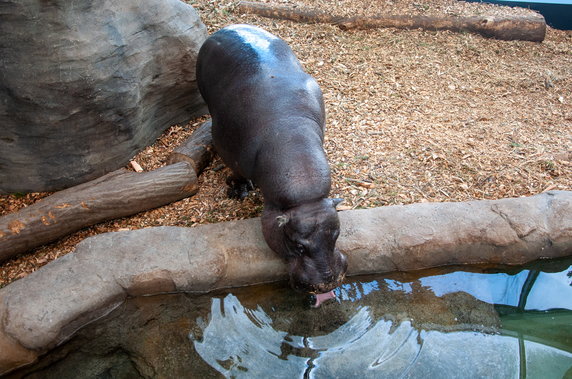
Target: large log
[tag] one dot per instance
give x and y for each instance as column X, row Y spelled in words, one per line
column 285, row 12
column 526, row 28
column 118, row 194
column 198, row 149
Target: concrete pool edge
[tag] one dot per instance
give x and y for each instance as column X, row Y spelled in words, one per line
column 46, row 308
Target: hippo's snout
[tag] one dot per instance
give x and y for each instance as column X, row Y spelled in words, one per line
column 315, row 277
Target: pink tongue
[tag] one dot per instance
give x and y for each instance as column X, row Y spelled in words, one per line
column 321, row 297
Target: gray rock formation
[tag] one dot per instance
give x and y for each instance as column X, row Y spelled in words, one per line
column 226, row 321
column 382, row 326
column 46, row 308
column 85, row 85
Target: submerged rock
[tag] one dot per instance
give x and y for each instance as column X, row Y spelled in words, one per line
column 85, row 85
column 408, row 325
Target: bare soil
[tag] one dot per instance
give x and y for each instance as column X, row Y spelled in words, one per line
column 413, row 116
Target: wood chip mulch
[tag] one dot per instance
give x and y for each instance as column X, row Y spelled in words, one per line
column 413, row 116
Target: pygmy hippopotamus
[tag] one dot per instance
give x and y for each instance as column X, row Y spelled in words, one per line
column 268, row 127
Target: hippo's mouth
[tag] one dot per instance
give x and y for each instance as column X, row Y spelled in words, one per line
column 321, row 289
column 320, row 298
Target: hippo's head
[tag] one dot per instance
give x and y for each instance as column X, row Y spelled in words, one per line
column 305, row 237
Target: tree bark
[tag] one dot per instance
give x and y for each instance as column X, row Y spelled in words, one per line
column 118, row 194
column 526, row 28
column 198, row 149
column 284, row 12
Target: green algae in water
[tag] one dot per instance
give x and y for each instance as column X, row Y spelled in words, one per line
column 514, row 324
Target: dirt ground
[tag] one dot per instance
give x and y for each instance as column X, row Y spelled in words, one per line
column 413, row 116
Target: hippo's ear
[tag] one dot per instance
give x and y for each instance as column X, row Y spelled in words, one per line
column 336, row 202
column 282, row 220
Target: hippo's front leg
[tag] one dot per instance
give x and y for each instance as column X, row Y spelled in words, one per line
column 238, row 186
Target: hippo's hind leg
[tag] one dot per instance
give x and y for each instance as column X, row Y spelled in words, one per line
column 238, row 186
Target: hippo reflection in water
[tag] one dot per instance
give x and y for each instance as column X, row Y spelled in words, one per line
column 268, row 127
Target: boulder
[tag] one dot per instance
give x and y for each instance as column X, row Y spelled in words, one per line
column 86, row 85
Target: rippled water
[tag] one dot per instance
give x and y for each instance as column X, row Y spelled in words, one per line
column 432, row 324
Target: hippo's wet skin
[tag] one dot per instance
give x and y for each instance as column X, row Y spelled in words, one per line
column 268, row 127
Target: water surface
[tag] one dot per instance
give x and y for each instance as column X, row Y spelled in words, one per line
column 433, row 324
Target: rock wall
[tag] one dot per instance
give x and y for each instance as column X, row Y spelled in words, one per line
column 86, row 85
column 47, row 307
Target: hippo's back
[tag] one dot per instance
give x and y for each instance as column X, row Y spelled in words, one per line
column 256, row 88
column 237, row 54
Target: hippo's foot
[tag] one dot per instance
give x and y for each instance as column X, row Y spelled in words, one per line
column 238, row 187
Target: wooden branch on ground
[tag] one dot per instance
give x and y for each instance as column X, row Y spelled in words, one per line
column 198, row 149
column 117, row 194
column 284, row 12
column 526, row 28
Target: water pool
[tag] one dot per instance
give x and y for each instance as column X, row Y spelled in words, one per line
column 438, row 323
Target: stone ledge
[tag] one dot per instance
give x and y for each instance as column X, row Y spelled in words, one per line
column 46, row 308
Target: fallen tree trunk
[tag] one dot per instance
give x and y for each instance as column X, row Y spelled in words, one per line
column 526, row 28
column 197, row 149
column 284, row 12
column 503, row 28
column 118, row 194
